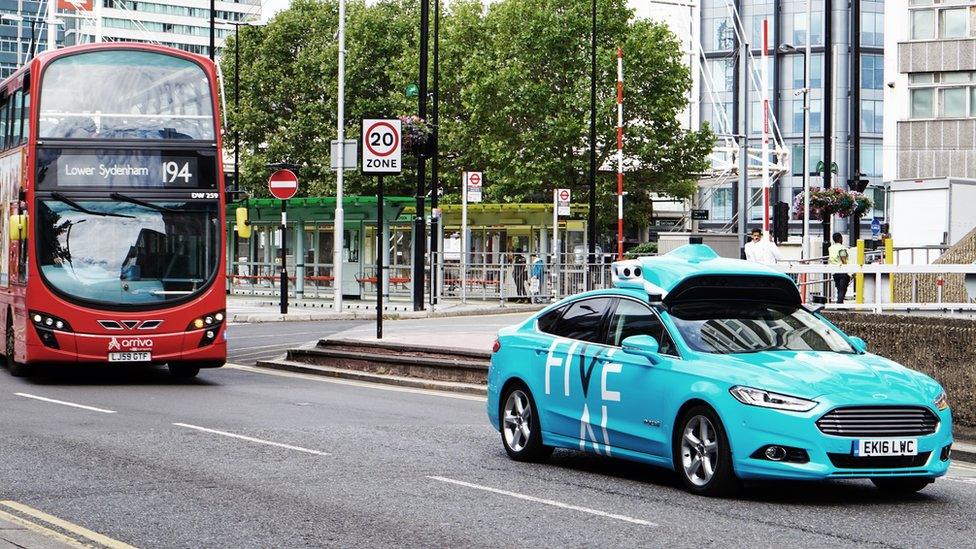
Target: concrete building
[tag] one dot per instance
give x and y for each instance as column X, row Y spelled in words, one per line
column 22, row 29
column 856, row 110
column 931, row 89
column 183, row 24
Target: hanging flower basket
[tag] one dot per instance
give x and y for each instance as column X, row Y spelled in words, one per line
column 834, row 201
column 416, row 134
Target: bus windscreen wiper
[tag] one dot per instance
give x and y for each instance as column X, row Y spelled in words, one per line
column 143, row 203
column 78, row 207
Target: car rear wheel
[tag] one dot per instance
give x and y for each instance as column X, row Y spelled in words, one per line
column 521, row 430
column 701, row 454
column 901, row 485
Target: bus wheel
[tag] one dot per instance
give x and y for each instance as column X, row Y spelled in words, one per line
column 183, row 371
column 16, row 369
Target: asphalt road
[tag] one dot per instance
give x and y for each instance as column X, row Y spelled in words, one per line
column 248, row 343
column 157, row 463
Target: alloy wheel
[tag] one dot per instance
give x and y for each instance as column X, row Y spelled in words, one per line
column 517, row 420
column 699, row 450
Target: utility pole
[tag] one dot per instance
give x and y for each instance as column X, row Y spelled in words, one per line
column 854, row 181
column 419, row 226
column 591, row 221
column 52, row 29
column 213, row 14
column 828, row 110
column 434, row 183
column 339, row 223
column 743, row 193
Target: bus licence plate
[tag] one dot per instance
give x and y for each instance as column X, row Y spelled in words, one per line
column 130, row 356
column 885, row 447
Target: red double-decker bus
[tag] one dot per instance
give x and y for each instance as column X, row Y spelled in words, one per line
column 111, row 184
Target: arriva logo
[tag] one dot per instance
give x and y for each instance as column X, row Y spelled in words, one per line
column 136, row 342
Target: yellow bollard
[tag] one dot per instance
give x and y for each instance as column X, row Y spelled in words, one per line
column 890, row 260
column 859, row 276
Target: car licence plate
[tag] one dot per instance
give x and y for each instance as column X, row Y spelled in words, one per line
column 885, row 447
column 130, row 356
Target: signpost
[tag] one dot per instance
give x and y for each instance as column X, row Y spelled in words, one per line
column 382, row 150
column 560, row 206
column 283, row 185
column 562, row 201
column 699, row 215
column 472, row 183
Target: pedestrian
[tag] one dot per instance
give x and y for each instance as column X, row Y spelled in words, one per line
column 520, row 275
column 535, row 283
column 837, row 254
column 762, row 249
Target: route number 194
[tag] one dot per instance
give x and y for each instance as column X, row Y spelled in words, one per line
column 173, row 171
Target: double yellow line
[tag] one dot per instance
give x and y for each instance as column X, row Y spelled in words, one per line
column 61, row 530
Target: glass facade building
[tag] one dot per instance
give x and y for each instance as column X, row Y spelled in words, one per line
column 720, row 90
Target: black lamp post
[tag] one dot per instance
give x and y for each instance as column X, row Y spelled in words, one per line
column 591, row 222
column 419, row 226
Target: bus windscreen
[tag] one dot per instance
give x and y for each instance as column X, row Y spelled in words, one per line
column 126, row 95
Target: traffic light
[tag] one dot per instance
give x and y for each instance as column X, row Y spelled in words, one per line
column 781, row 222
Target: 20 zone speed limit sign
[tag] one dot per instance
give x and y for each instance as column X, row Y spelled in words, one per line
column 381, row 147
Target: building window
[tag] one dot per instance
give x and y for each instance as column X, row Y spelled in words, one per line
column 797, row 113
column 923, row 24
column 798, row 76
column 816, row 109
column 922, row 104
column 720, row 207
column 872, row 72
column 816, row 69
column 797, row 159
column 721, row 71
column 799, row 34
column 872, row 29
column 953, row 23
column 952, row 102
column 871, row 159
column 757, row 31
column 872, row 116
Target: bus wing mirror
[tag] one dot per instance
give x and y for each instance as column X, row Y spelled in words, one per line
column 242, row 225
column 18, row 227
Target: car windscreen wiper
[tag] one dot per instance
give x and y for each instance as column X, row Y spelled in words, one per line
column 143, row 203
column 78, row 207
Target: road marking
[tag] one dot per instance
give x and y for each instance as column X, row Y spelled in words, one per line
column 364, row 384
column 64, row 525
column 64, row 403
column 252, row 439
column 544, row 501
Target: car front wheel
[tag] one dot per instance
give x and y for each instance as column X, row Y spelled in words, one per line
column 701, row 454
column 521, row 430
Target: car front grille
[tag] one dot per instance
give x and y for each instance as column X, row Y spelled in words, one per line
column 879, row 421
column 847, row 461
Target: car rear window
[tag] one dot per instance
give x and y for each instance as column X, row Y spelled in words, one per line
column 583, row 320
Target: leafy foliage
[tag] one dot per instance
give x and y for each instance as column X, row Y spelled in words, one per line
column 514, row 96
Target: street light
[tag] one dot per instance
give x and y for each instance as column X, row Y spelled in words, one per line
column 789, row 48
column 19, row 19
column 237, row 64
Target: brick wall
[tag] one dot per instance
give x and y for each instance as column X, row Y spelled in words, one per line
column 944, row 348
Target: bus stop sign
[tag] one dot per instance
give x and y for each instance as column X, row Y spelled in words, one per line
column 283, row 184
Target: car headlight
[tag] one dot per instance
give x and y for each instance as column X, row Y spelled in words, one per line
column 766, row 399
column 941, row 402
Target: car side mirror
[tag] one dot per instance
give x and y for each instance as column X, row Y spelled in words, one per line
column 859, row 344
column 642, row 345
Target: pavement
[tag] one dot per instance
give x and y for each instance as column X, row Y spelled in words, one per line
column 254, row 309
column 244, row 457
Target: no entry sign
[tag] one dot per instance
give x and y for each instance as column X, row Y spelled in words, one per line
column 381, row 146
column 283, row 184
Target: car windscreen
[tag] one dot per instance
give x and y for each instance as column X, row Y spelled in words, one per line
column 725, row 327
column 125, row 94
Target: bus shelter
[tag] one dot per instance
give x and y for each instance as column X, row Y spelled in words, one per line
column 253, row 263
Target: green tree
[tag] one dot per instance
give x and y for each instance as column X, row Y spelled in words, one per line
column 514, row 90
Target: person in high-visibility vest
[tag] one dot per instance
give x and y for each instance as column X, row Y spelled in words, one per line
column 837, row 254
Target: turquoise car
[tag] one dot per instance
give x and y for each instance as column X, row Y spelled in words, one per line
column 714, row 368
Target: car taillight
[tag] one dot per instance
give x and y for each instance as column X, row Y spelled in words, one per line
column 496, row 346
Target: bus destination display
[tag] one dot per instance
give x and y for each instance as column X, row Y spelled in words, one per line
column 125, row 169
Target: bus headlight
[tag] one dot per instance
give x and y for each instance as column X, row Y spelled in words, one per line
column 46, row 325
column 209, row 320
